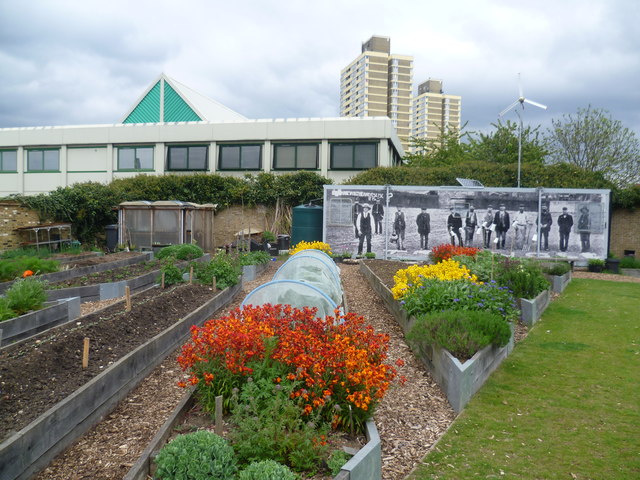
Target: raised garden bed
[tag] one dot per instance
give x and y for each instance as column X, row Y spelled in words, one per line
column 531, row 310
column 91, row 265
column 366, row 464
column 48, row 399
column 632, row 272
column 460, row 381
column 29, row 324
column 559, row 282
column 251, row 272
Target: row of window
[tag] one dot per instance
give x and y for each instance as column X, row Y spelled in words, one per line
column 302, row 156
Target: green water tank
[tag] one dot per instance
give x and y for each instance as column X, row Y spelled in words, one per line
column 306, row 224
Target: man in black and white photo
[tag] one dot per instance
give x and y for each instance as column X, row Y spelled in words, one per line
column 378, row 215
column 545, row 225
column 487, row 227
column 364, row 224
column 399, row 227
column 423, row 220
column 520, row 225
column 454, row 227
column 584, row 228
column 470, row 225
column 357, row 209
column 502, row 223
column 565, row 222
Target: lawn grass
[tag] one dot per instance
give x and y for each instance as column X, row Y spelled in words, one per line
column 564, row 405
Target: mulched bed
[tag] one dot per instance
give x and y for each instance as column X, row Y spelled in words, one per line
column 386, row 269
column 40, row 372
column 115, row 275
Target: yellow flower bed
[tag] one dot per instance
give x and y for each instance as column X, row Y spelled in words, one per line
column 310, row 246
column 406, row 280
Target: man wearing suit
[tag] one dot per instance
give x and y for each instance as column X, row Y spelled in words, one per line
column 378, row 215
column 565, row 222
column 364, row 224
column 502, row 222
column 424, row 227
column 545, row 226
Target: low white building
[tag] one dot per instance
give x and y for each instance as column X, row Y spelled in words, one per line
column 173, row 129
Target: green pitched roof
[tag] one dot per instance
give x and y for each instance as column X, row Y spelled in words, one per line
column 170, row 101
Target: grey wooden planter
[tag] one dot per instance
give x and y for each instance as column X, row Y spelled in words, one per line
column 31, row 449
column 29, row 324
column 251, row 272
column 366, row 464
column 459, row 381
column 559, row 282
column 80, row 271
column 531, row 309
column 632, row 272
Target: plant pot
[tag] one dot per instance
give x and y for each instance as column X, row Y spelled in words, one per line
column 596, row 268
column 613, row 265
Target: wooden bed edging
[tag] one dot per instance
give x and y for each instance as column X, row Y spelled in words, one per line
column 31, row 449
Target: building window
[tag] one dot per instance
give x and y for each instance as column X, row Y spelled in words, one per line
column 354, row 156
column 8, row 160
column 135, row 158
column 43, row 160
column 240, row 157
column 295, row 156
column 187, row 157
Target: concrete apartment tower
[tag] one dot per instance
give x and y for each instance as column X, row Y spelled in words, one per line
column 435, row 113
column 379, row 84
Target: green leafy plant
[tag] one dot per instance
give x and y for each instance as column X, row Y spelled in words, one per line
column 267, row 470
column 370, row 255
column 201, row 455
column 556, row 268
column 172, row 274
column 14, row 267
column 222, row 266
column 254, row 258
column 461, row 332
column 596, row 262
column 5, row 311
column 26, row 294
column 186, row 251
column 629, row 262
column 336, row 461
column 268, row 236
column 525, row 278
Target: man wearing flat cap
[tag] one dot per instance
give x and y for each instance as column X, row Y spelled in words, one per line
column 364, row 226
column 565, row 222
column 584, row 228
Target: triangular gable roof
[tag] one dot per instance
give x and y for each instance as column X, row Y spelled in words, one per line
column 167, row 100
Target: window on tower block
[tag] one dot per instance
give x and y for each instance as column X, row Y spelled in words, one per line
column 354, row 156
column 240, row 157
column 187, row 157
column 293, row 156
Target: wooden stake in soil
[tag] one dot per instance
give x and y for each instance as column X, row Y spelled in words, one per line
column 190, row 274
column 214, row 284
column 162, row 281
column 127, row 296
column 85, row 353
column 218, row 428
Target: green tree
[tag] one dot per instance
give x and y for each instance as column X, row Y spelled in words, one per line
column 594, row 141
column 501, row 145
column 447, row 149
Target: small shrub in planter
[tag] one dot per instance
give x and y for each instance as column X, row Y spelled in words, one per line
column 256, row 257
column 14, row 267
column 222, row 266
column 187, row 251
column 172, row 274
column 461, row 332
column 201, row 455
column 557, row 268
column 596, row 265
column 267, row 470
column 268, row 237
column 629, row 262
column 524, row 278
column 5, row 312
column 370, row 255
column 26, row 294
column 336, row 461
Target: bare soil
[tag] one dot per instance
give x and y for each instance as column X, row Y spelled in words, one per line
column 114, row 275
column 95, row 260
column 39, row 372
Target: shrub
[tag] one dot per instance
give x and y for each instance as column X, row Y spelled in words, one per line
column 268, row 236
column 172, row 274
column 14, row 267
column 201, row 455
column 222, row 266
column 525, row 278
column 483, row 265
column 461, row 332
column 5, row 311
column 337, row 365
column 410, row 278
column 596, row 262
column 267, row 470
column 629, row 262
column 316, row 245
column 336, row 461
column 556, row 268
column 26, row 294
column 254, row 258
column 186, row 251
column 434, row 295
column 445, row 251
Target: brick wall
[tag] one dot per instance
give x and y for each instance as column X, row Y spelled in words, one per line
column 231, row 220
column 12, row 216
column 625, row 232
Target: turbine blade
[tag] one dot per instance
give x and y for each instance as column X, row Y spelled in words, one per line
column 509, row 108
column 535, row 104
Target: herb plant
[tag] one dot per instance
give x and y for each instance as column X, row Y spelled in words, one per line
column 267, row 470
column 26, row 294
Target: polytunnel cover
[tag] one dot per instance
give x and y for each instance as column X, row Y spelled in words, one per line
column 314, row 271
column 313, row 252
column 292, row 292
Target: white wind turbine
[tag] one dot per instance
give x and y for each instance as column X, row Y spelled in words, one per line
column 521, row 100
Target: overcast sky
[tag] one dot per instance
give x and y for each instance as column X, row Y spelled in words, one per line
column 87, row 62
